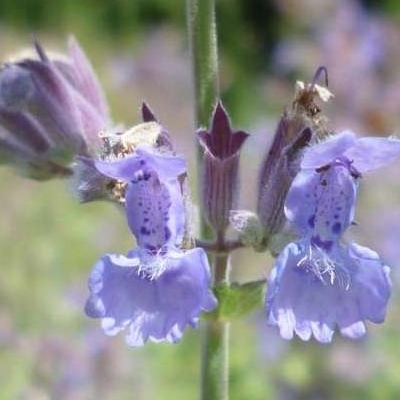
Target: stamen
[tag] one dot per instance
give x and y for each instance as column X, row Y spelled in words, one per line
column 325, row 268
column 152, row 264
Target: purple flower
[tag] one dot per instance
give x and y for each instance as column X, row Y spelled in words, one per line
column 151, row 296
column 50, row 111
column 160, row 287
column 153, row 198
column 318, row 282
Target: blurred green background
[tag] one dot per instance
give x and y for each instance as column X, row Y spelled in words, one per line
column 48, row 242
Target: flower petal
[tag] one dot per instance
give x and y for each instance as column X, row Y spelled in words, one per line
column 298, row 301
column 154, row 211
column 167, row 166
column 86, row 79
column 370, row 281
column 371, row 153
column 324, row 153
column 322, row 203
column 158, row 309
column 56, row 100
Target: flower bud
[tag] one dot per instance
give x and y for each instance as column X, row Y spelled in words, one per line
column 219, row 170
column 299, row 126
column 50, row 111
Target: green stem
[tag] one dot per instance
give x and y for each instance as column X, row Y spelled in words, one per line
column 203, row 46
column 215, row 358
column 215, row 346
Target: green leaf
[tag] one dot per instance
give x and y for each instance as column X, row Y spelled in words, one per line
column 237, row 300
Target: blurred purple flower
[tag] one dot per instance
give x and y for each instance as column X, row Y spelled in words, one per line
column 319, row 282
column 50, row 111
column 159, row 288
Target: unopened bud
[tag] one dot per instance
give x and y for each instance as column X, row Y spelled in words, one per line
column 220, row 169
column 50, row 111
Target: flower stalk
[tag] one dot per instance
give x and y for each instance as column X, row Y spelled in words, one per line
column 201, row 26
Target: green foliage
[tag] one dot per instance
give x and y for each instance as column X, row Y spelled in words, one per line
column 237, row 300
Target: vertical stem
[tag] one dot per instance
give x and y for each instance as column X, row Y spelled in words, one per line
column 215, row 358
column 203, row 45
column 215, row 346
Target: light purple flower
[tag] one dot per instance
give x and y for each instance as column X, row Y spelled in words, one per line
column 318, row 282
column 159, row 288
column 152, row 297
column 153, row 200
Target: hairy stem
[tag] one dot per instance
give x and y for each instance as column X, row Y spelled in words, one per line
column 203, row 45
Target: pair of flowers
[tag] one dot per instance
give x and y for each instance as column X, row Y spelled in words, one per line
column 317, row 283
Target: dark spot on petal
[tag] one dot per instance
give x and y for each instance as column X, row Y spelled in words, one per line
column 144, row 231
column 146, row 176
column 311, row 221
column 337, row 227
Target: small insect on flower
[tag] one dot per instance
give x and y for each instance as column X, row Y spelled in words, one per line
column 120, row 144
column 306, row 94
